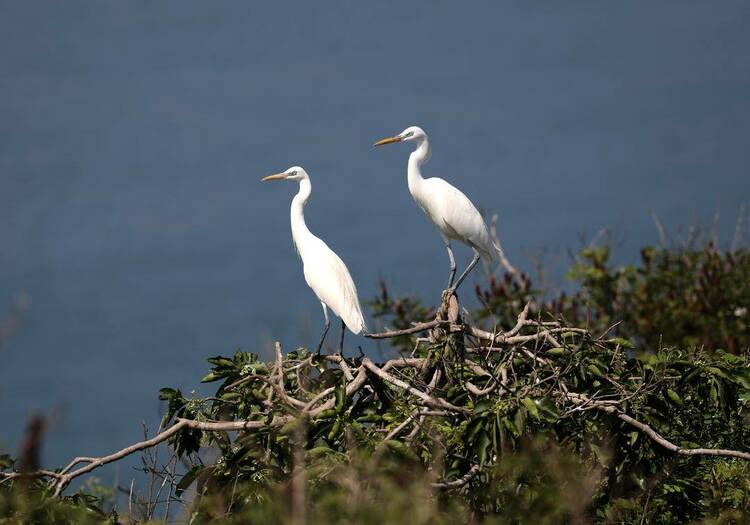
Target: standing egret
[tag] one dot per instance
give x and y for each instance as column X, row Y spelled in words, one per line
column 324, row 271
column 455, row 217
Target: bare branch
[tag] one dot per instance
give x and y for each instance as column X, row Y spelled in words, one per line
column 612, row 408
column 460, row 482
column 500, row 252
column 420, row 327
column 427, row 399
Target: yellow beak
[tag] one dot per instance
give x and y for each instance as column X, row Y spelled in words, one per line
column 275, row 176
column 388, row 140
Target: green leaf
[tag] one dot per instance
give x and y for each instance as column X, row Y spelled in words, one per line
column 400, row 449
column 230, row 396
column 212, row 376
column 318, row 452
column 719, row 372
column 519, row 421
column 340, row 393
column 480, row 448
column 691, row 376
column 511, row 426
column 531, row 407
column 474, row 427
column 327, row 413
column 188, row 479
column 166, row 394
column 290, row 427
column 334, row 430
column 484, row 405
column 6, row 461
column 370, row 418
column 619, row 341
column 675, row 397
column 547, row 410
column 221, row 361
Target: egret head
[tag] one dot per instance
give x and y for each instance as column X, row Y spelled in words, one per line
column 293, row 173
column 410, row 133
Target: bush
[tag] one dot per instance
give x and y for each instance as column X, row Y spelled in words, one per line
column 537, row 420
column 685, row 298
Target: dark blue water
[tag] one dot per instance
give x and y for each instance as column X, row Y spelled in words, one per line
column 133, row 136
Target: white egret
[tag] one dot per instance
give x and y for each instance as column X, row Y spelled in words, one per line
column 324, row 271
column 454, row 215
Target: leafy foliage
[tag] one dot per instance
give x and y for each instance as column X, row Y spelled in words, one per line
column 675, row 297
column 529, row 422
column 31, row 501
column 540, row 457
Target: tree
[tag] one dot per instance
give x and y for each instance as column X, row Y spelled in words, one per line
column 537, row 417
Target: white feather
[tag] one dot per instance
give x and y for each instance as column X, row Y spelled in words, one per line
column 325, row 273
column 329, row 278
column 454, row 215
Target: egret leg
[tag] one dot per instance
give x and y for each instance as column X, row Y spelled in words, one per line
column 326, row 326
column 451, row 275
column 341, row 342
column 468, row 269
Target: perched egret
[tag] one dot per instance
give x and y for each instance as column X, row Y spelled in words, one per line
column 455, row 217
column 324, row 271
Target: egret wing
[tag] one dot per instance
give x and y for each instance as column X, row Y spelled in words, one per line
column 329, row 278
column 456, row 216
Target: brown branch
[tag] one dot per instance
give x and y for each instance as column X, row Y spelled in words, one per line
column 64, row 477
column 501, row 253
column 426, row 398
column 351, row 388
column 419, row 327
column 460, row 482
column 610, row 408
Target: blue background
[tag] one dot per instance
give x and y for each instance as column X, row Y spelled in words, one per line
column 133, row 136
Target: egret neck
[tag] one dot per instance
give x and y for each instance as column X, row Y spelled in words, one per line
column 418, row 157
column 300, row 233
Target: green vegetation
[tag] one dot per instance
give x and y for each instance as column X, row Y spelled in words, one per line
column 582, row 408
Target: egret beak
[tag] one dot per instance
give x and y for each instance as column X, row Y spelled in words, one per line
column 388, row 140
column 276, row 176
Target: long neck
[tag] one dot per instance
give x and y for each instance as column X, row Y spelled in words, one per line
column 300, row 233
column 418, row 157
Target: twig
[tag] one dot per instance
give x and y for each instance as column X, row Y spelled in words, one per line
column 420, row 327
column 654, row 435
column 427, row 399
column 63, row 479
column 500, row 252
column 460, row 482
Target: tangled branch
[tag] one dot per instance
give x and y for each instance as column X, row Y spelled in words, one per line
column 458, row 374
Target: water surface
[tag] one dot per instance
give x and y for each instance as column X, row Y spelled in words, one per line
column 133, row 136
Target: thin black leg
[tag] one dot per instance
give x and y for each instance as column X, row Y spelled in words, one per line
column 468, row 269
column 326, row 326
column 452, row 274
column 341, row 342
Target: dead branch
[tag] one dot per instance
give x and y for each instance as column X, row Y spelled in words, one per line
column 489, row 358
column 612, row 408
column 419, row 327
column 460, row 482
